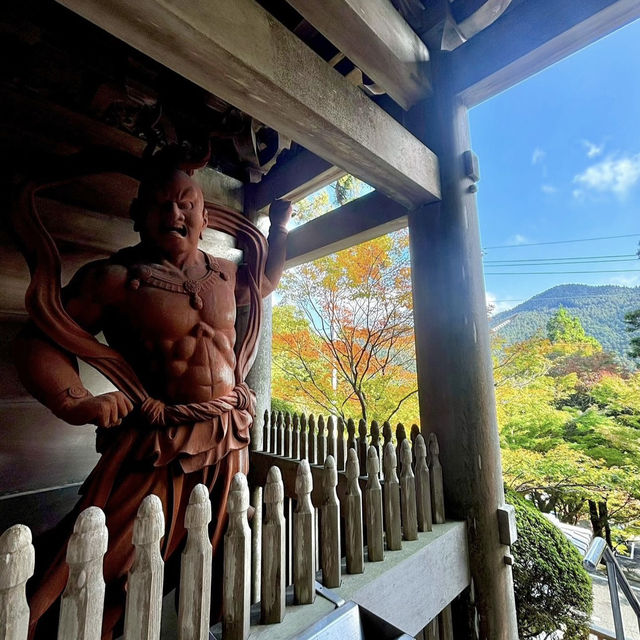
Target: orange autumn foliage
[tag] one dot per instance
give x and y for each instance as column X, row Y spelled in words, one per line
column 343, row 339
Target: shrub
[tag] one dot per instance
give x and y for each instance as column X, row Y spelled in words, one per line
column 552, row 590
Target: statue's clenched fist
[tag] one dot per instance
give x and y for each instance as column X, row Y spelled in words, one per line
column 280, row 212
column 105, row 410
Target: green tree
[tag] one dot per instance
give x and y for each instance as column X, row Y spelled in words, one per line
column 632, row 320
column 562, row 327
column 569, row 419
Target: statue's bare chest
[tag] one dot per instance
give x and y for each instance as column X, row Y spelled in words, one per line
column 160, row 305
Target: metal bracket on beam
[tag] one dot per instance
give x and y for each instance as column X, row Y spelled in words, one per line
column 471, row 168
column 471, row 165
column 507, row 524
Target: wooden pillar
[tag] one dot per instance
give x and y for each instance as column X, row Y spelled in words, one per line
column 455, row 377
column 259, row 377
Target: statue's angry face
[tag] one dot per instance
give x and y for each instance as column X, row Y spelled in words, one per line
column 170, row 213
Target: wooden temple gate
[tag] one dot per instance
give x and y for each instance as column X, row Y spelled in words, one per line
column 374, row 88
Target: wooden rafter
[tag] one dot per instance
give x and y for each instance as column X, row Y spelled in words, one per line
column 530, row 37
column 237, row 51
column 293, row 179
column 357, row 221
column 375, row 37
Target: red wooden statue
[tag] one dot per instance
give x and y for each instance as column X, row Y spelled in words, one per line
column 183, row 411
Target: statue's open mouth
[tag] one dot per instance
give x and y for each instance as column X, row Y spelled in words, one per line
column 181, row 231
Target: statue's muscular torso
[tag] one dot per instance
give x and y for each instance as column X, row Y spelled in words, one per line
column 181, row 345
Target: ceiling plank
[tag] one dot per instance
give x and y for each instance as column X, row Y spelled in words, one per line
column 237, row 51
column 376, row 38
column 357, row 221
column 530, row 37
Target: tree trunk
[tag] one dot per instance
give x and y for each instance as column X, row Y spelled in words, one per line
column 363, row 404
column 604, row 519
column 599, row 515
column 596, row 521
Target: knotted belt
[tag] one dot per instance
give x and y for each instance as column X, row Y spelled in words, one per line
column 159, row 414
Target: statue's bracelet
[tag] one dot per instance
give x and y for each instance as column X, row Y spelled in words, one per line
column 77, row 391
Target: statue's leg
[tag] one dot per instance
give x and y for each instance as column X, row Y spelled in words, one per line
column 121, row 502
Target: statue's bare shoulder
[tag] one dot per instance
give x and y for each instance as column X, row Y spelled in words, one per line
column 95, row 286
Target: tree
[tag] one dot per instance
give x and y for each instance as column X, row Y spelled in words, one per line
column 552, row 590
column 565, row 328
column 569, row 418
column 344, row 341
column 632, row 320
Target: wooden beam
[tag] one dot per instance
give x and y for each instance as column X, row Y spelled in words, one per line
column 531, row 37
column 293, row 178
column 220, row 189
column 400, row 595
column 237, row 51
column 375, row 37
column 357, row 221
column 107, row 234
column 64, row 130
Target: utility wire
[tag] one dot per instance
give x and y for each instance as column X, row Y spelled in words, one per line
column 549, row 263
column 537, row 244
column 617, row 255
column 595, row 296
column 564, row 258
column 544, row 273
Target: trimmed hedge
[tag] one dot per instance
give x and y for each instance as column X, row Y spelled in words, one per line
column 552, row 589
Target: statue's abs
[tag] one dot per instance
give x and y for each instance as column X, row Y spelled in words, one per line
column 185, row 354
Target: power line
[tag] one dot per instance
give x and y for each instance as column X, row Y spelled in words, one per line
column 551, row 273
column 537, row 244
column 601, row 295
column 549, row 263
column 567, row 258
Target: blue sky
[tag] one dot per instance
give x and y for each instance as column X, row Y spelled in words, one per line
column 560, row 160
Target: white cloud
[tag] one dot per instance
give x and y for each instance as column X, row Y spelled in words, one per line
column 625, row 281
column 518, row 238
column 548, row 189
column 593, row 150
column 496, row 306
column 616, row 175
column 538, row 155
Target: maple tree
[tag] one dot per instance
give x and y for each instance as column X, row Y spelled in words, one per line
column 343, row 339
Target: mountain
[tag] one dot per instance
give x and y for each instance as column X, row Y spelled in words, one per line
column 600, row 309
